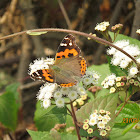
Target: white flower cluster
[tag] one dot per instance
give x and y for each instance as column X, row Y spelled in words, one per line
column 119, row 83
column 39, row 64
column 52, row 90
column 119, row 58
column 102, row 26
column 98, row 119
column 90, row 78
column 114, row 83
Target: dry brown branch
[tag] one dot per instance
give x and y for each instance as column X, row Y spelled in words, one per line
column 65, row 14
column 25, row 58
column 8, row 46
column 30, row 23
column 9, row 61
column 136, row 21
column 30, row 85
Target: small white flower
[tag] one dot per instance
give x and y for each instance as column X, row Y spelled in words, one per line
column 103, row 132
column 102, row 26
column 104, row 120
column 64, row 90
column 112, row 77
column 107, row 117
column 92, row 121
column 48, row 95
column 96, row 76
column 111, row 51
column 124, row 64
column 40, row 96
column 72, row 95
column 111, row 82
column 122, row 43
column 87, row 81
column 106, row 85
column 60, row 102
column 100, row 117
column 118, row 79
column 103, row 82
column 133, row 71
column 115, row 61
column 46, row 91
column 46, row 103
column 81, row 90
column 94, row 115
column 138, row 31
column 138, row 60
column 101, row 125
column 57, row 94
column 112, row 90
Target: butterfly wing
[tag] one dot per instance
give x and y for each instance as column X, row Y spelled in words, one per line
column 67, row 48
column 69, row 62
column 70, row 70
column 43, row 75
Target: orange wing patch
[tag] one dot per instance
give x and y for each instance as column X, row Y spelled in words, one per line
column 47, row 75
column 67, row 85
column 83, row 66
column 66, row 54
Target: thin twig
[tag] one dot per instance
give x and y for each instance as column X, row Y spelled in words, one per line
column 124, row 105
column 65, row 14
column 75, row 121
column 69, row 111
column 72, row 32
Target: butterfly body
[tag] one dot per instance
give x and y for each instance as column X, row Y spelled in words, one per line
column 68, row 67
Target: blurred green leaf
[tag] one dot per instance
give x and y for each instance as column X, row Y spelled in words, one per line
column 53, row 135
column 130, row 110
column 38, row 135
column 8, row 110
column 45, row 119
column 116, row 134
column 13, row 88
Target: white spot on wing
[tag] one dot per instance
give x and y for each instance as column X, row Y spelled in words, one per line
column 70, row 44
column 63, row 44
column 66, row 38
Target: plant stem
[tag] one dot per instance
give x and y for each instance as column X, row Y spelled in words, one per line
column 123, row 105
column 75, row 121
column 73, row 32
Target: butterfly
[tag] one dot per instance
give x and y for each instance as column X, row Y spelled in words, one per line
column 68, row 67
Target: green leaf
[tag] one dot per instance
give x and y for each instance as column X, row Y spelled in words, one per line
column 53, row 135
column 130, row 110
column 35, row 33
column 38, row 135
column 45, row 119
column 13, row 88
column 103, row 70
column 108, row 103
column 8, row 110
column 116, row 134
